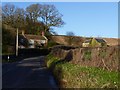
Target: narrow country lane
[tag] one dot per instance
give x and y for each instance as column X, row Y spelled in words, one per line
column 28, row 73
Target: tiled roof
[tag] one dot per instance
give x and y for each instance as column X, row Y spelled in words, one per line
column 97, row 39
column 87, row 41
column 28, row 36
column 100, row 40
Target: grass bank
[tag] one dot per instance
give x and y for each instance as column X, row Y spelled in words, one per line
column 8, row 61
column 74, row 76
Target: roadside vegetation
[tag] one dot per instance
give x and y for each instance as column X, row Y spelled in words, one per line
column 70, row 75
column 52, row 43
column 87, row 55
column 9, row 58
column 5, row 57
column 7, row 61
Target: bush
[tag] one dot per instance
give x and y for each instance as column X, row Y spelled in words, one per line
column 87, row 55
column 50, row 61
column 102, row 53
column 7, row 49
column 51, row 44
column 8, row 40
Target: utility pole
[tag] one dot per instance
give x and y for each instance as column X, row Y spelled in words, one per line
column 17, row 43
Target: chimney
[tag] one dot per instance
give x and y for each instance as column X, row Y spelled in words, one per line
column 23, row 32
column 43, row 33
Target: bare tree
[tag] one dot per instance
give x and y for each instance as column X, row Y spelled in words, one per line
column 19, row 18
column 0, row 14
column 70, row 33
column 51, row 17
column 8, row 12
column 71, row 37
column 47, row 14
column 33, row 12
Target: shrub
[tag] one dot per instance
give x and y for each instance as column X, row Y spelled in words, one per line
column 52, row 43
column 87, row 55
column 7, row 49
column 102, row 53
column 50, row 61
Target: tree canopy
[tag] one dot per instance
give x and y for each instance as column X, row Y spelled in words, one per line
column 33, row 19
column 70, row 33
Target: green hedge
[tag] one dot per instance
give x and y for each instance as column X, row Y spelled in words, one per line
column 74, row 76
column 51, row 60
column 51, row 43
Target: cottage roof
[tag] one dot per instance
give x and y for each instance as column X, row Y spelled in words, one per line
column 87, row 41
column 28, row 36
column 100, row 40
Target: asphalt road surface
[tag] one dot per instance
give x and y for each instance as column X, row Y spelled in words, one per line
column 28, row 73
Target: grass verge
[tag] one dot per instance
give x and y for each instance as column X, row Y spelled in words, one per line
column 8, row 61
column 74, row 76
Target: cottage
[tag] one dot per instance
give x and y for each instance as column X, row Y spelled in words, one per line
column 32, row 41
column 86, row 43
column 35, row 40
column 94, row 42
column 22, row 41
